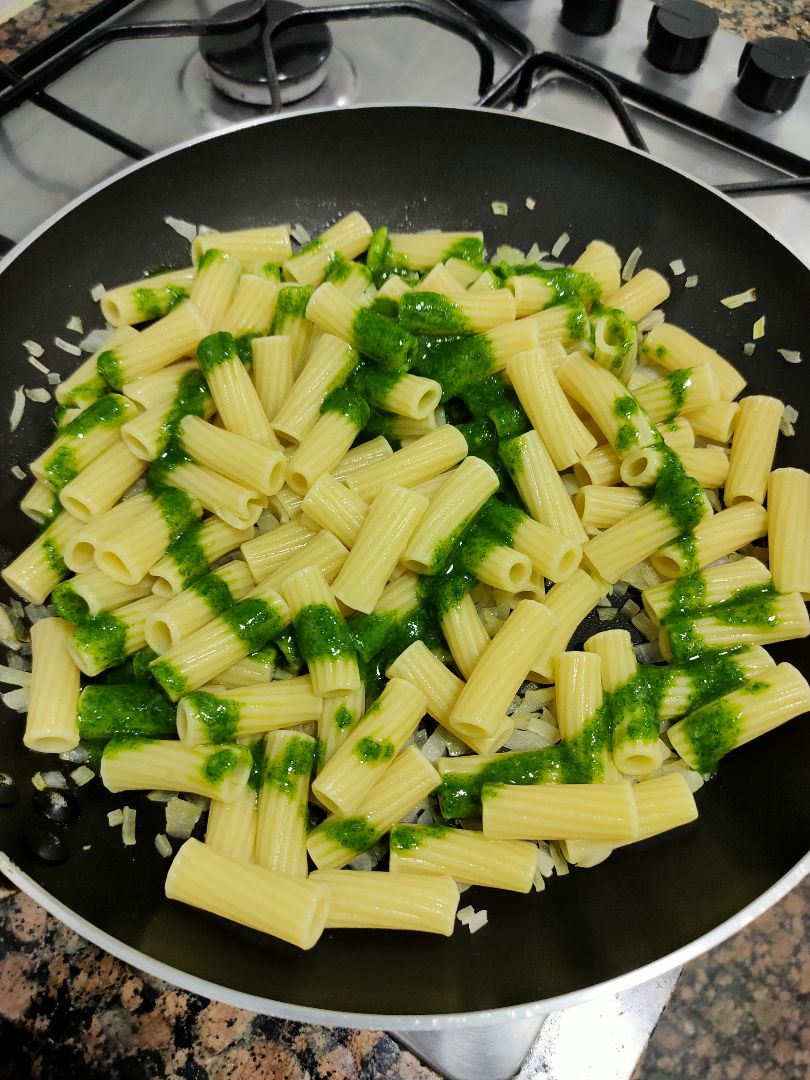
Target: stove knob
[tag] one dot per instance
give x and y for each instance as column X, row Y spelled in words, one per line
column 772, row 72
column 590, row 17
column 678, row 35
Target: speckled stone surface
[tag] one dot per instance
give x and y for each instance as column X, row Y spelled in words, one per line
column 750, row 18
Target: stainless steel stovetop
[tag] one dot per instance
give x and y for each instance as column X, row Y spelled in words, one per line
column 159, row 93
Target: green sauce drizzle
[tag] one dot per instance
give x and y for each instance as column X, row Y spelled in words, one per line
column 322, row 633
column 432, row 313
column 220, row 716
column 129, row 708
column 104, row 638
column 254, row 622
column 373, row 751
column 285, row 772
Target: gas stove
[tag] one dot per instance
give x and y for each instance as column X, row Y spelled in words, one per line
column 664, row 78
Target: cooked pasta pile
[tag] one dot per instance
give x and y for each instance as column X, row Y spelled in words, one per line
column 320, row 503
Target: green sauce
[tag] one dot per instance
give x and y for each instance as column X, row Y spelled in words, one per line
column 348, row 404
column 214, row 591
column 511, row 454
column 190, row 399
column 343, row 718
column 679, row 383
column 374, row 384
column 379, row 257
column 104, row 638
column 140, row 661
column 219, row 764
column 154, row 303
column 285, row 772
column 492, row 397
column 111, row 411
column 176, row 509
column 679, row 495
column 627, row 434
column 123, row 744
column 209, row 257
column 382, row 340
column 82, row 395
column 712, row 731
column 354, row 834
column 61, row 467
column 254, row 622
column 68, row 604
column 469, row 248
column 568, row 284
column 109, row 368
column 272, row 271
column 258, row 767
column 373, row 751
column 432, row 313
column 216, row 349
column 131, row 709
column 322, row 633
column 220, row 716
column 291, row 304
column 187, row 552
column 409, row 837
column 172, row 681
column 339, row 269
column 457, row 363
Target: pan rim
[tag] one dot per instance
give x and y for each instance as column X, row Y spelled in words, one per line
column 406, row 1022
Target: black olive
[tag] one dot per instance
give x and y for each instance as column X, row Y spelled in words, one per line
column 56, row 805
column 46, row 845
column 8, row 790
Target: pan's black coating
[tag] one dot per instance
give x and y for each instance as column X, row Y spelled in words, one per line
column 416, row 168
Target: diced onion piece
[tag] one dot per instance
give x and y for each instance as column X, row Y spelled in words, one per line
column 128, row 827
column 67, row 346
column 161, row 796
column 182, row 228
column 32, row 360
column 54, row 779
column 534, row 254
column 77, row 756
column 759, row 328
column 95, row 339
column 648, row 652
column 651, row 320
column 738, row 299
column 54, row 378
column 790, row 414
column 793, row 356
column 477, row 921
column 678, row 267
column 560, row 245
column 530, row 203
column 607, row 614
column 299, row 233
column 181, row 817
column 748, row 348
column 629, row 609
column 163, row 846
column 644, row 623
column 629, row 267
column 97, row 292
column 38, row 781
column 368, row 860
column 17, row 472
column 17, row 409
column 38, row 394
column 499, row 209
column 82, row 776
column 14, row 677
column 465, row 914
column 786, row 428
column 16, row 700
column 560, row 865
column 691, row 281
column 115, row 817
column 435, row 747
column 510, row 255
column 74, row 323
column 33, row 347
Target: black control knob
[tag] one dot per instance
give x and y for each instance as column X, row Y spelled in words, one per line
column 678, row 35
column 590, row 17
column 772, row 72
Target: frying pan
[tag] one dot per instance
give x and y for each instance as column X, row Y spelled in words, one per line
column 649, row 906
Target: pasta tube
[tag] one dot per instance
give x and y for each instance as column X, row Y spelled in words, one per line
column 671, row 347
column 219, row 772
column 321, row 632
column 756, row 430
column 464, row 855
column 426, row 902
column 788, row 524
column 160, row 344
column 559, row 811
column 281, row 827
column 51, row 726
column 242, row 712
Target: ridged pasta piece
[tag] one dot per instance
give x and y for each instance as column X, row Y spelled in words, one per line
column 385, row 536
column 564, row 435
column 470, row 312
column 788, row 528
column 329, row 366
column 217, row 277
column 465, row 634
column 346, row 239
column 90, row 593
column 578, row 682
column 505, row 568
column 718, row 583
column 146, row 299
column 156, row 518
column 102, row 483
column 251, row 308
column 602, row 262
column 465, row 855
column 673, row 348
column 321, row 631
column 51, row 726
column 325, row 552
column 286, row 907
column 342, row 418
column 634, row 538
column 233, row 503
column 242, row 712
column 421, row 250
column 231, row 827
column 268, row 243
column 683, row 390
column 600, row 506
column 643, row 292
column 367, row 453
column 336, row 507
column 438, row 280
column 159, row 388
column 41, row 503
column 105, row 640
column 270, row 550
column 41, row 566
column 235, row 397
column 219, row 772
column 539, row 485
column 608, row 401
column 250, row 464
column 193, row 551
column 552, row 556
column 339, row 714
column 203, row 599
column 714, row 421
column 160, row 344
column 80, row 442
column 786, row 620
column 756, row 429
column 559, row 811
column 85, row 385
column 531, row 293
column 715, row 536
column 346, row 780
column 272, row 371
column 422, row 460
column 385, row 901
column 281, row 827
column 705, row 736
column 569, row 602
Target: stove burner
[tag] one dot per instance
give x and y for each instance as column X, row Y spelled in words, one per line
column 236, row 61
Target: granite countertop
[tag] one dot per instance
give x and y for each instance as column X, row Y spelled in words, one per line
column 68, row 1009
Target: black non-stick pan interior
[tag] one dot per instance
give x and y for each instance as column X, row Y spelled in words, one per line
column 414, row 168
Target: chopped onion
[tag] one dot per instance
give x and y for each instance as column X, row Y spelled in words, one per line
column 510, row 255
column 786, row 428
column 435, row 747
column 629, row 609
column 181, row 817
column 77, row 756
column 33, row 347
column 560, row 865
column 462, row 887
column 759, row 328
column 607, row 614
column 74, row 323
column 530, row 203
column 34, row 613
column 54, row 378
column 465, row 914
column 267, row 522
column 161, row 796
column 128, row 837
column 17, row 472
column 299, row 233
column 691, row 281
column 182, row 228
column 560, row 245
column 32, row 360
column 38, row 394
column 790, row 414
column 14, row 677
column 499, row 209
column 629, row 267
column 17, row 700
column 620, row 588
column 163, row 846
column 654, row 318
column 38, row 781
column 82, row 776
column 748, row 348
column 545, row 862
column 791, row 355
column 648, row 652
column 367, row 860
column 115, row 817
column 17, row 409
column 97, row 292
column 67, row 346
column 738, row 299
column 477, row 921
column 54, row 779
column 94, row 340
column 535, row 255
column 644, row 623
column 678, row 267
